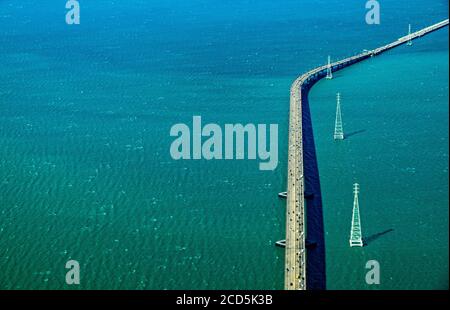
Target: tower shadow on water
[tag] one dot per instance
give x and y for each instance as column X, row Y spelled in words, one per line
column 315, row 262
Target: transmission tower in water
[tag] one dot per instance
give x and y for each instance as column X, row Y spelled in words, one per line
column 338, row 128
column 355, row 233
column 409, row 34
column 329, row 71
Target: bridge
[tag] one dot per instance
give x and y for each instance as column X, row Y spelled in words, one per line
column 295, row 255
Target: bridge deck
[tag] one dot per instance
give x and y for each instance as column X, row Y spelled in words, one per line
column 295, row 259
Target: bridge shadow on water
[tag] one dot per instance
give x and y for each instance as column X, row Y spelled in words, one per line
column 315, row 262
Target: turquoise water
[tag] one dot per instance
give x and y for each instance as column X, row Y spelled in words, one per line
column 85, row 170
column 397, row 150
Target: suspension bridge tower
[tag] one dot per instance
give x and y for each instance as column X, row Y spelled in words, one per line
column 329, row 70
column 355, row 233
column 338, row 127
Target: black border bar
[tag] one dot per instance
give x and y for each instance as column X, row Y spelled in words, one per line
column 144, row 299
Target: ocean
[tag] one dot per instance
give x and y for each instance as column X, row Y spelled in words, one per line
column 85, row 168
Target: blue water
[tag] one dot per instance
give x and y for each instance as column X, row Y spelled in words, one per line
column 85, row 114
column 397, row 150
